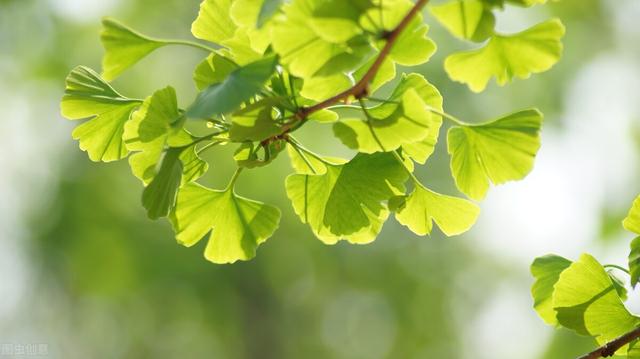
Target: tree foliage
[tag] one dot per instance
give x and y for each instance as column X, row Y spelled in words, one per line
column 274, row 66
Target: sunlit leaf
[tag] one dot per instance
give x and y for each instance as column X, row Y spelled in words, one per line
column 632, row 221
column 586, row 301
column 124, row 47
column 89, row 96
column 212, row 70
column 466, row 19
column 214, row 22
column 237, row 225
column 498, row 151
column 423, row 207
column 507, row 56
column 402, row 121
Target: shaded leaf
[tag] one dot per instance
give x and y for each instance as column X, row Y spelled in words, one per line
column 160, row 195
column 227, row 96
column 346, row 202
column 546, row 271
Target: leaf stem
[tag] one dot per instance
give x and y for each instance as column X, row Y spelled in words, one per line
column 617, row 267
column 449, row 117
column 234, row 178
column 610, row 348
column 297, row 145
column 415, row 179
column 193, row 44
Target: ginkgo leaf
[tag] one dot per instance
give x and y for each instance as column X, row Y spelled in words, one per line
column 124, row 47
column 413, row 47
column 237, row 225
column 150, row 130
column 408, row 123
column 160, row 195
column 214, row 23
column 212, row 70
column 546, row 271
column 634, row 261
column 267, row 10
column 255, row 122
column 303, row 163
column 632, row 221
column 321, row 88
column 87, row 95
column 404, row 120
column 466, row 19
column 506, row 56
column 250, row 155
column 498, row 151
column 586, row 301
column 346, row 202
column 238, row 87
column 423, row 206
column 309, row 50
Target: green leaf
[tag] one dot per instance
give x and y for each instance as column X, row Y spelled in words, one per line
column 250, row 155
column 321, row 88
column 506, row 56
column 634, row 261
column 404, row 120
column 413, row 47
column 423, row 206
column 193, row 167
column 237, row 225
column 586, row 301
column 255, row 122
column 386, row 73
column 160, row 195
column 150, row 131
column 346, row 202
column 632, row 221
column 238, row 87
column 212, row 70
column 124, row 47
column 267, row 10
column 308, row 47
column 467, row 19
column 214, row 22
column 87, row 95
column 409, row 123
column 499, row 151
column 546, row 271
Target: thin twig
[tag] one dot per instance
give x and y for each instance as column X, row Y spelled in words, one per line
column 613, row 346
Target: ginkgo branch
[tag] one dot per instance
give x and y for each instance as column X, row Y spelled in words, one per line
column 610, row 348
column 361, row 88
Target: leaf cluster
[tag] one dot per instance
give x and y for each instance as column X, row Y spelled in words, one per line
column 270, row 67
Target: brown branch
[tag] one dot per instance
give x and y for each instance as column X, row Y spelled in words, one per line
column 361, row 88
column 613, row 346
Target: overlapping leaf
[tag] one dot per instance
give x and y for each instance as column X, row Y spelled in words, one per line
column 238, row 87
column 237, row 225
column 320, row 38
column 586, row 301
column 498, row 151
column 150, row 131
column 404, row 120
column 419, row 210
column 466, row 19
column 507, row 56
column 346, row 202
column 546, row 271
column 88, row 96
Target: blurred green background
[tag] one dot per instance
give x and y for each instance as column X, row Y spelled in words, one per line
column 83, row 270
